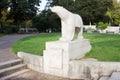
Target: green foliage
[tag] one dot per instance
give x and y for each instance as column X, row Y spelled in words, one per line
column 102, row 25
column 22, row 10
column 29, row 23
column 9, row 29
column 105, row 47
column 91, row 10
column 116, row 16
column 4, row 20
column 46, row 20
column 3, row 6
column 114, row 13
column 16, row 12
column 68, row 4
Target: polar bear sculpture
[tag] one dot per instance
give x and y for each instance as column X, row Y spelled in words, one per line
column 68, row 21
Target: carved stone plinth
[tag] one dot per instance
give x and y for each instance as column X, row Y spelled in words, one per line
column 59, row 53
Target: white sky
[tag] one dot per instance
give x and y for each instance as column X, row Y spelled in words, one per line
column 42, row 4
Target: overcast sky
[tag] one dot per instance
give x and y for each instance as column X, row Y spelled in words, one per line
column 42, row 5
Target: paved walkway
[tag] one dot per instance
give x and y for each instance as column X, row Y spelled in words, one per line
column 6, row 54
column 32, row 75
column 5, row 46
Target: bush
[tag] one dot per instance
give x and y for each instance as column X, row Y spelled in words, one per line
column 102, row 25
column 9, row 29
column 46, row 21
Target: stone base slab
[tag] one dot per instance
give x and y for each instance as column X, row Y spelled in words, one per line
column 87, row 69
column 33, row 62
column 92, row 70
column 58, row 54
column 75, row 49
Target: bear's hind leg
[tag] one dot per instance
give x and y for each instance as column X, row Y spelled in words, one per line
column 80, row 36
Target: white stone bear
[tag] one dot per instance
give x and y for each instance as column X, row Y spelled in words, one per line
column 68, row 21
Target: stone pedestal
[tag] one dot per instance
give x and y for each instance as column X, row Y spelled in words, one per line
column 58, row 54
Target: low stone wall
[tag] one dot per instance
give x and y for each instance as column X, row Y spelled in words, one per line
column 92, row 70
column 33, row 62
column 76, row 69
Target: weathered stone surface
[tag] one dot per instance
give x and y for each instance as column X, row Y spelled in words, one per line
column 69, row 21
column 33, row 75
column 92, row 70
column 115, row 76
column 59, row 53
column 89, row 69
column 33, row 62
column 104, row 78
column 51, row 59
column 75, row 49
column 55, row 62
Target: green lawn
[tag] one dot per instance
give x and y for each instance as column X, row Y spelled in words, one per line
column 105, row 47
column 34, row 44
column 1, row 35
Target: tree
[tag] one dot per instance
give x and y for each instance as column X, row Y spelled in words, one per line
column 22, row 10
column 115, row 13
column 116, row 16
column 4, row 19
column 46, row 20
column 68, row 4
column 91, row 10
column 3, row 6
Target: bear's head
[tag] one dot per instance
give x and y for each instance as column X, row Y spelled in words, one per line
column 56, row 9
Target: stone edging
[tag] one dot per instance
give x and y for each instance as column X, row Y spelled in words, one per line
column 78, row 69
column 33, row 62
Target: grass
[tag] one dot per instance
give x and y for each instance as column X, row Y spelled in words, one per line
column 34, row 44
column 1, row 35
column 105, row 47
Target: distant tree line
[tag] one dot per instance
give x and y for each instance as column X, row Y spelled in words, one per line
column 46, row 21
column 16, row 13
column 91, row 11
column 23, row 13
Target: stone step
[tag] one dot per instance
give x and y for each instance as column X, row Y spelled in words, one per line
column 12, row 69
column 10, row 63
column 14, row 74
column 115, row 76
column 104, row 78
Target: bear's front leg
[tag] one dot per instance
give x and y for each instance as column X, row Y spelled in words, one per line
column 70, row 33
column 63, row 31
